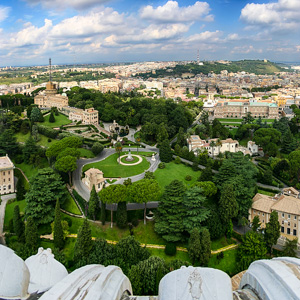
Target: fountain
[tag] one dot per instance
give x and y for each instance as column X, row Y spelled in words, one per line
column 129, row 156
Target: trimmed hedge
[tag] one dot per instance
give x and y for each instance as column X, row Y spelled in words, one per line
column 170, row 249
column 80, row 200
column 47, row 131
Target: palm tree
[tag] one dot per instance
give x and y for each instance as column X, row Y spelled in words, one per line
column 118, row 147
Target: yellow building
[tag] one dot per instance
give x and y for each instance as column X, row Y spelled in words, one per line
column 6, row 176
column 87, row 116
column 94, row 177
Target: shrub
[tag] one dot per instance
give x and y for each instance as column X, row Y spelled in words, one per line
column 135, row 222
column 69, row 221
column 97, row 148
column 177, row 160
column 220, row 256
column 49, row 140
column 161, row 165
column 19, row 159
column 170, row 249
column 188, row 177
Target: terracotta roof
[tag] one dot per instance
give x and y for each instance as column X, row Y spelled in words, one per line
column 263, row 203
column 287, row 204
column 93, row 171
column 293, row 190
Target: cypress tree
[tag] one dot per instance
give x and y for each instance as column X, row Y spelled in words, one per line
column 272, row 231
column 58, row 233
column 228, row 205
column 84, row 243
column 194, row 248
column 18, row 223
column 20, row 189
column 93, row 204
column 31, row 234
column 205, row 247
column 103, row 213
column 165, row 152
column 51, row 118
column 122, row 215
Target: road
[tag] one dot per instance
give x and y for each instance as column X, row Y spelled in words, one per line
column 4, row 199
column 83, row 191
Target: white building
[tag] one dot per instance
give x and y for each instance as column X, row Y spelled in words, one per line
column 6, row 176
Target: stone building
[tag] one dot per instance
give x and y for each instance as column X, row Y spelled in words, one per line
column 87, row 116
column 6, row 176
column 286, row 204
column 240, row 109
column 94, row 177
column 50, row 98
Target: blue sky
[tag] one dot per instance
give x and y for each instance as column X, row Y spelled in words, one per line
column 84, row 31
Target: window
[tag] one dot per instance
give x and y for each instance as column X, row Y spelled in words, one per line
column 254, row 211
column 263, row 214
column 8, row 179
column 294, row 232
column 258, row 213
column 295, row 225
column 4, row 180
column 263, row 221
column 288, row 231
column 289, row 224
column 295, row 218
column 282, row 215
column 9, row 187
column 289, row 216
column 282, row 222
column 8, row 172
column 282, row 229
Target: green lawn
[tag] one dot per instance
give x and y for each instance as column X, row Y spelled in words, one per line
column 30, row 170
column 174, row 171
column 184, row 256
column 9, row 211
column 86, row 153
column 111, row 168
column 70, row 206
column 221, row 243
column 265, row 192
column 227, row 264
column 59, row 120
column 235, row 120
column 134, row 160
column 21, row 138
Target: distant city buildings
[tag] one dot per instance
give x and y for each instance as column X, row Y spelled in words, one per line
column 6, row 176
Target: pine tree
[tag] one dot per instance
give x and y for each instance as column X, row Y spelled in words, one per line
column 205, row 247
column 226, row 172
column 272, row 231
column 84, row 243
column 195, row 212
column 18, row 223
column 170, row 212
column 58, row 233
column 52, row 118
column 29, row 149
column 93, row 204
column 194, row 248
column 255, row 223
column 165, row 152
column 20, row 195
column 31, row 234
column 227, row 204
column 206, row 175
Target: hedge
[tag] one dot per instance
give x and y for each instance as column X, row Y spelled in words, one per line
column 48, row 132
column 80, row 201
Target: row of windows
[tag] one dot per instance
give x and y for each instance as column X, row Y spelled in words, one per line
column 4, row 179
column 288, row 231
column 4, row 187
column 288, row 216
column 4, row 173
column 289, row 224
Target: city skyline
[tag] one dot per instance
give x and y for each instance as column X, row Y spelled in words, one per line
column 86, row 31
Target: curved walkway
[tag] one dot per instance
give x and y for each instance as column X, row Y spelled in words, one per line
column 130, row 164
column 151, row 246
column 83, row 191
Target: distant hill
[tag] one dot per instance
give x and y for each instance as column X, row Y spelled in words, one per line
column 258, row 67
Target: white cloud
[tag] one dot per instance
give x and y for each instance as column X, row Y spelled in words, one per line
column 172, row 13
column 283, row 15
column 4, row 11
column 246, row 49
column 64, row 4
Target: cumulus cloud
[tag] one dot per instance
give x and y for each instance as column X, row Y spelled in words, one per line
column 172, row 13
column 282, row 15
column 4, row 11
column 63, row 4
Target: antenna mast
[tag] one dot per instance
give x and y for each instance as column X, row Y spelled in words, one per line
column 50, row 77
column 198, row 56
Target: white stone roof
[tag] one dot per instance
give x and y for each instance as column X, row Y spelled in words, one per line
column 45, row 271
column 14, row 274
column 91, row 282
column 195, row 283
column 274, row 279
column 5, row 163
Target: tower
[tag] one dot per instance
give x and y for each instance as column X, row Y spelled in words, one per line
column 50, row 77
column 198, row 57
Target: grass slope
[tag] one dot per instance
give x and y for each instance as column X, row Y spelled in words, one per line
column 174, row 171
column 70, row 206
column 59, row 121
column 111, row 168
column 21, row 138
column 9, row 211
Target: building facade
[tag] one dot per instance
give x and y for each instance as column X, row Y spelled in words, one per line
column 94, row 177
column 87, row 116
column 7, row 183
column 286, row 204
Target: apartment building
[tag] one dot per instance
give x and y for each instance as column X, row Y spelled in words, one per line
column 6, row 176
column 87, row 116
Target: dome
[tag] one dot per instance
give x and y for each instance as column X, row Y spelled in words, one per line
column 191, row 283
column 91, row 282
column 14, row 274
column 278, row 278
column 64, row 94
column 45, row 271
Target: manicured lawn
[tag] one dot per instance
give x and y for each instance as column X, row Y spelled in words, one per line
column 184, row 256
column 228, row 120
column 227, row 264
column 9, row 211
column 174, row 171
column 111, row 168
column 134, row 160
column 21, row 138
column 265, row 192
column 70, row 206
column 30, row 170
column 86, row 153
column 221, row 243
column 59, row 120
